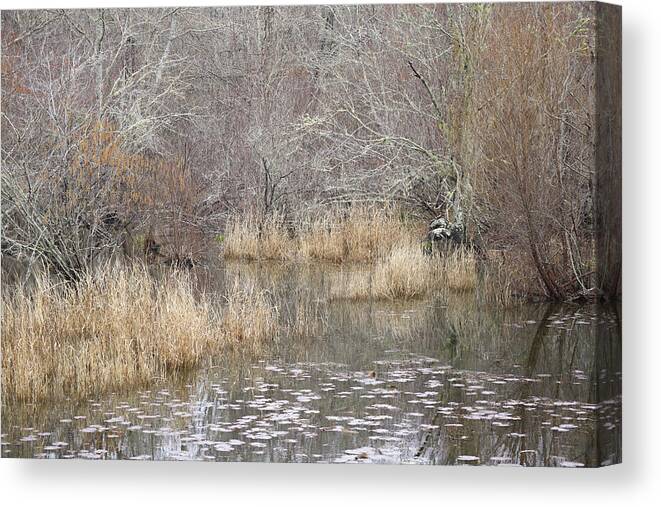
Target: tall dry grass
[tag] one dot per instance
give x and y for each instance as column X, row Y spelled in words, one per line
column 250, row 317
column 356, row 235
column 338, row 236
column 458, row 270
column 379, row 252
column 119, row 326
column 406, row 272
column 248, row 237
column 403, row 273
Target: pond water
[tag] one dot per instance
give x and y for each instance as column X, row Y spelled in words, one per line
column 438, row 381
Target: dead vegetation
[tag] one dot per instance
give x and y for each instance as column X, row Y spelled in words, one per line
column 122, row 325
column 381, row 256
column 359, row 234
column 119, row 326
column 489, row 121
column 405, row 273
column 251, row 238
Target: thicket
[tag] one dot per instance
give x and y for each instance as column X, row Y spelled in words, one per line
column 147, row 132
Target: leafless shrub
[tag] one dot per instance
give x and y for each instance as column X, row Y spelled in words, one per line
column 536, row 168
column 179, row 119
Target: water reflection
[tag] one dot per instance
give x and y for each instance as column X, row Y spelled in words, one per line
column 440, row 381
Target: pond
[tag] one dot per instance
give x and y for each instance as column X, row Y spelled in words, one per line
column 442, row 380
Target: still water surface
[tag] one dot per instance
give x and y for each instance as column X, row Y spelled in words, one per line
column 440, row 381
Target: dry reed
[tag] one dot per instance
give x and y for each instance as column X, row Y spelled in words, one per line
column 251, row 238
column 402, row 273
column 250, row 318
column 118, row 326
column 458, row 270
column 338, row 236
column 357, row 235
column 406, row 272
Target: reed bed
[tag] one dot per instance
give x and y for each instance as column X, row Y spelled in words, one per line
column 307, row 316
column 406, row 272
column 338, row 236
column 459, row 270
column 382, row 253
column 251, row 238
column 403, row 273
column 250, row 318
column 356, row 235
column 119, row 326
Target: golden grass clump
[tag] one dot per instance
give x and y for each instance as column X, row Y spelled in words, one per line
column 250, row 318
column 405, row 272
column 459, row 271
column 116, row 326
column 251, row 238
column 359, row 235
column 119, row 326
column 338, row 236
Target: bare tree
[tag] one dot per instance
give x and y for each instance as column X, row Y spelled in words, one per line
column 169, row 120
